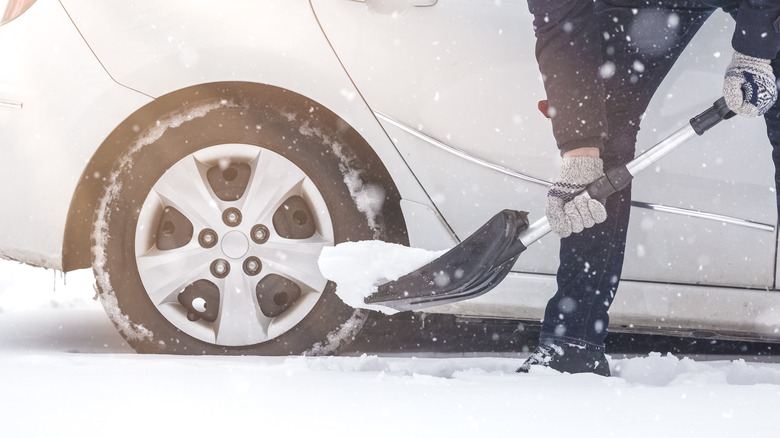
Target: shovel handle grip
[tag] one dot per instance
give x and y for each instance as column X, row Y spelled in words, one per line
column 714, row 115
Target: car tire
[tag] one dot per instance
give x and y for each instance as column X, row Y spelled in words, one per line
column 207, row 237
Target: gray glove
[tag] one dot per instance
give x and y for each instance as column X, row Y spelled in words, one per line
column 566, row 213
column 749, row 88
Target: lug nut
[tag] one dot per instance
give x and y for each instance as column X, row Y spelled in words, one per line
column 220, row 268
column 260, row 234
column 207, row 238
column 232, row 217
column 252, row 266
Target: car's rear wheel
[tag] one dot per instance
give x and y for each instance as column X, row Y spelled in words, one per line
column 208, row 236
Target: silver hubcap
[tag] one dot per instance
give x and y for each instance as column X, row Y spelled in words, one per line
column 223, row 255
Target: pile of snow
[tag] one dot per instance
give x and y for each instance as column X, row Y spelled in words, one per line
column 64, row 371
column 358, row 268
column 671, row 371
column 130, row 395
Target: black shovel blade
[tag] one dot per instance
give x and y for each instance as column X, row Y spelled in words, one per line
column 468, row 270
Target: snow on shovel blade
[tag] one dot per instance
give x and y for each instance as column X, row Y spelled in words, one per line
column 468, row 270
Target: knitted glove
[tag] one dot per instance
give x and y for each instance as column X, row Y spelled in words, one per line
column 749, row 87
column 566, row 213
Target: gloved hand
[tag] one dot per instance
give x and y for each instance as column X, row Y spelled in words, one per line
column 565, row 213
column 749, row 87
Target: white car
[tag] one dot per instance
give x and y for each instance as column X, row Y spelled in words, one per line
column 198, row 155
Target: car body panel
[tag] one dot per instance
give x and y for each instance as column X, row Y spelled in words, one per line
column 275, row 42
column 641, row 307
column 477, row 90
column 68, row 106
column 75, row 128
column 445, row 95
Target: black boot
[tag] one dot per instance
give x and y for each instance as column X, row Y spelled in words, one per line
column 567, row 358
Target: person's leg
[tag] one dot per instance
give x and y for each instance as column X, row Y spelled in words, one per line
column 772, row 118
column 591, row 262
column 567, row 34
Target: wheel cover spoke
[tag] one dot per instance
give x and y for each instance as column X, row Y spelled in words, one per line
column 273, row 180
column 166, row 273
column 185, row 187
column 296, row 259
column 240, row 321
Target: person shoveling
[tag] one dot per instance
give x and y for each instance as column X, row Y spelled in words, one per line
column 601, row 62
column 390, row 278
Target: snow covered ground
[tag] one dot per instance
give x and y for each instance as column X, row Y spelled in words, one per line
column 65, row 372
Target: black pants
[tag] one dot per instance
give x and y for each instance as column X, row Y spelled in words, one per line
column 591, row 262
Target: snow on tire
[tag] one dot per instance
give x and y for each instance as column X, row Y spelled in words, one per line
column 207, row 237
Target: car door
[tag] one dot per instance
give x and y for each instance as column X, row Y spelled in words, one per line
column 455, row 85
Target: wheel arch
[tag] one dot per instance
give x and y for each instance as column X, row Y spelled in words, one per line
column 95, row 178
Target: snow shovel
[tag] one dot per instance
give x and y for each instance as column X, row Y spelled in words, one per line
column 481, row 261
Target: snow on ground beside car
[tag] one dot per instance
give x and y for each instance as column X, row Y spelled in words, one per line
column 64, row 371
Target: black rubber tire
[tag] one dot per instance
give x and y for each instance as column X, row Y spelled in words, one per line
column 310, row 136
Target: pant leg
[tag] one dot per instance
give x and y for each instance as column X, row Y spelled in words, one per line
column 591, row 262
column 567, row 33
column 772, row 118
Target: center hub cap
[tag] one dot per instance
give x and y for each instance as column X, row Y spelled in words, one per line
column 235, row 245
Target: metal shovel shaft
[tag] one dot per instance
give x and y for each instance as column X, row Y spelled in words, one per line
column 660, row 150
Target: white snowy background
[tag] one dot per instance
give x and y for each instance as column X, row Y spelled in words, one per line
column 65, row 372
